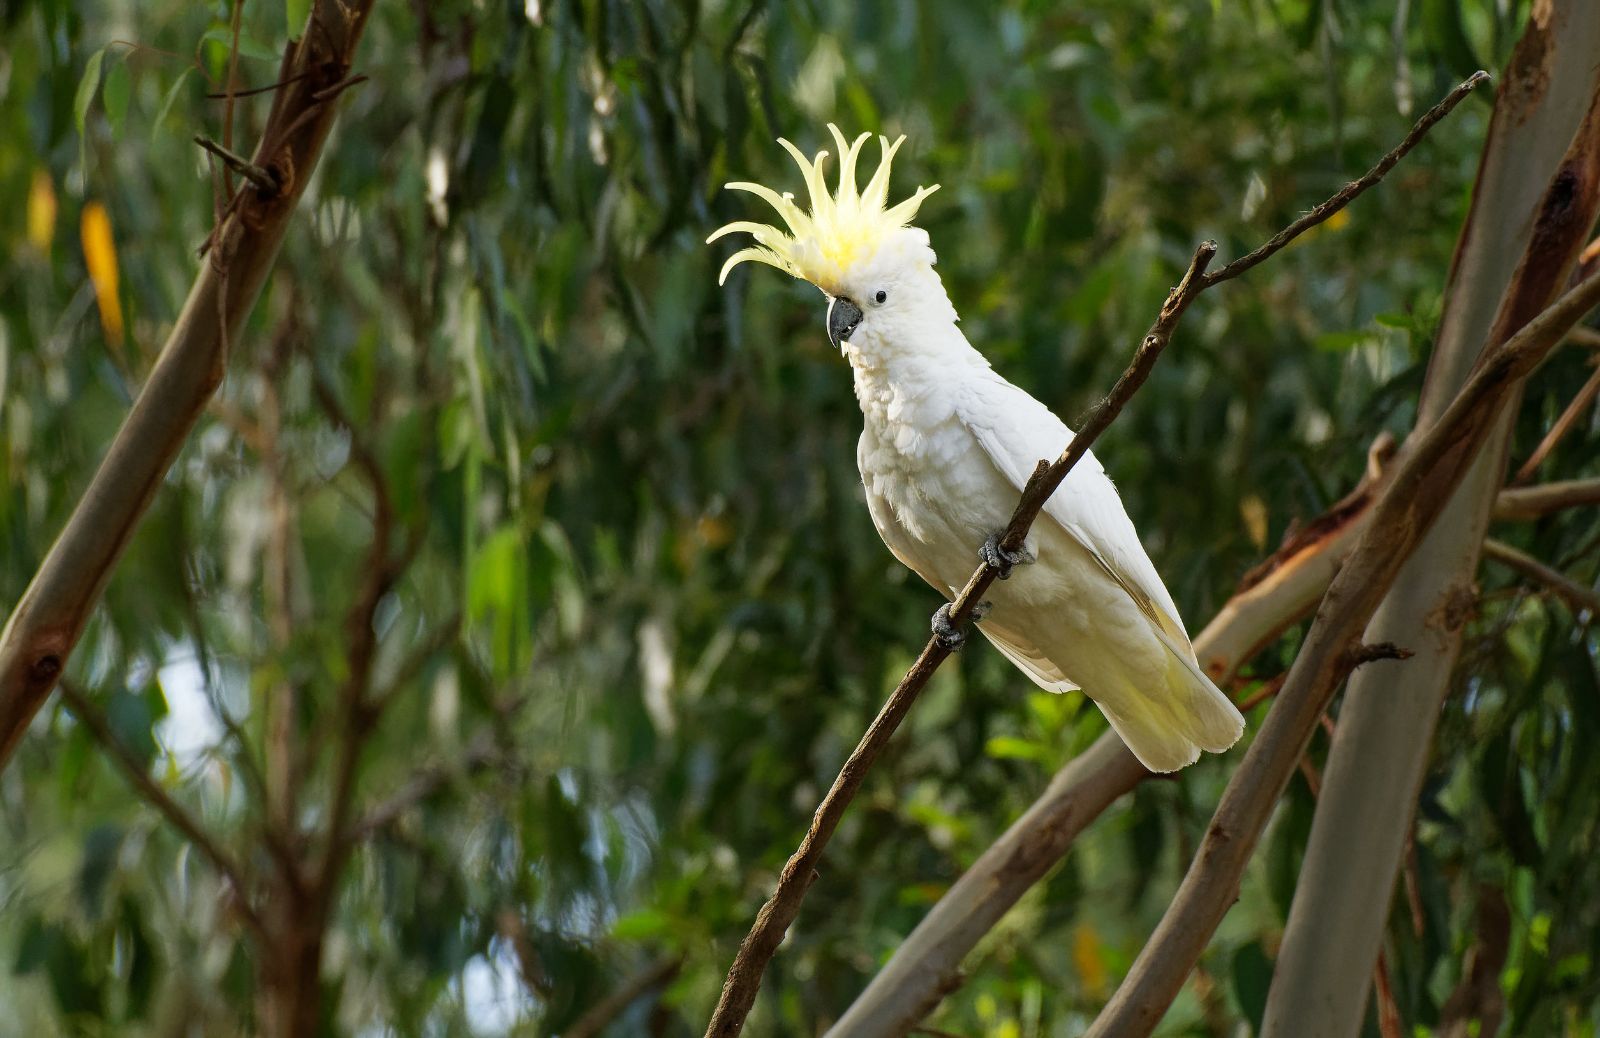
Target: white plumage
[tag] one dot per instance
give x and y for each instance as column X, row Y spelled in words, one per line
column 945, row 449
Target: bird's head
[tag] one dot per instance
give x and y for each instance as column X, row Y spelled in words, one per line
column 875, row 268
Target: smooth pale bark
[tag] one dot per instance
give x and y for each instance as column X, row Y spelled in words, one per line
column 1381, row 743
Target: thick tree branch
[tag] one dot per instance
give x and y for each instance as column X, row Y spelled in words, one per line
column 772, row 922
column 1273, row 596
column 1535, row 198
column 175, row 813
column 47, row 623
column 1418, row 492
column 1536, row 502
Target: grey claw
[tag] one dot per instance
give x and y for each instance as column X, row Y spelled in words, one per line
column 999, row 559
column 981, row 610
column 950, row 637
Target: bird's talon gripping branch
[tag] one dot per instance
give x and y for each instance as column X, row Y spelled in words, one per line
column 951, row 637
column 999, row 559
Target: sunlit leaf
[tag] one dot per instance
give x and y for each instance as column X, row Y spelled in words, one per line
column 41, row 210
column 100, row 256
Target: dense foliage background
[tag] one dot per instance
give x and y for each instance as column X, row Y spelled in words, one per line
column 645, row 613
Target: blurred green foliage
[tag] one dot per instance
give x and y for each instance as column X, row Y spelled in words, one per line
column 636, row 495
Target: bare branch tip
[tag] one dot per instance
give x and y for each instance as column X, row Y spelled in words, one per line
column 266, row 180
column 1372, row 653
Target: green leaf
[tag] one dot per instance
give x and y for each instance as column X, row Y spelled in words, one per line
column 642, row 925
column 295, row 13
column 1009, row 747
column 1252, row 976
column 130, row 718
column 167, row 101
column 249, row 47
column 116, row 93
column 87, row 87
column 34, row 948
column 99, row 863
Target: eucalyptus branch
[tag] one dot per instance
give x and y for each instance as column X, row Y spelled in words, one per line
column 1581, row 402
column 89, row 715
column 1418, row 491
column 779, row 911
column 46, row 624
column 1579, row 598
column 1536, row 502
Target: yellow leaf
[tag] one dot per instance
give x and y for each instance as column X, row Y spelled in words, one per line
column 1253, row 511
column 41, row 210
column 1090, row 963
column 100, row 254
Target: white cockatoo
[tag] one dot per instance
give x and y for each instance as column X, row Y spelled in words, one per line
column 946, row 447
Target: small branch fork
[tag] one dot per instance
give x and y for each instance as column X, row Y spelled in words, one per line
column 779, row 911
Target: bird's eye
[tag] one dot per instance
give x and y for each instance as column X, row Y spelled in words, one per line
column 882, row 296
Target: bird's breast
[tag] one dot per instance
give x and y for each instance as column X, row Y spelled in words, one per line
column 940, row 488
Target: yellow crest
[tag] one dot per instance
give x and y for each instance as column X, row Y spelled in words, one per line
column 841, row 228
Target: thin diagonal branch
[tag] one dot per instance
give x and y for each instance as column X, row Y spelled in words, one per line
column 1580, row 403
column 1579, row 598
column 175, row 813
column 1348, row 193
column 599, row 1016
column 779, row 911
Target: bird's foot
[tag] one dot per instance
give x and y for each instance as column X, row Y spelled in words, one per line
column 949, row 635
column 999, row 559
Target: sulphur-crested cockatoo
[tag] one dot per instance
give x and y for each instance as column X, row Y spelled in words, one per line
column 946, row 448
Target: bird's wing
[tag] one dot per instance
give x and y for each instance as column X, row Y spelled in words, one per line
column 1030, row 660
column 1016, row 431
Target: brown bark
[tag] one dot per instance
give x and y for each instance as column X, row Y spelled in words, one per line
column 46, row 624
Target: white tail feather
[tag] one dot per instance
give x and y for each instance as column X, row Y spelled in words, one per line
column 1167, row 728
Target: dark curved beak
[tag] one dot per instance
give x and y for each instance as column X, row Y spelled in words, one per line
column 843, row 317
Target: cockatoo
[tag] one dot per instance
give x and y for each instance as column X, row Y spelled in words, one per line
column 945, row 449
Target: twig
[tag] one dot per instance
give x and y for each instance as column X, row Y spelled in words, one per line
column 1268, row 689
column 481, row 752
column 176, row 815
column 1563, row 425
column 658, row 974
column 780, row 910
column 253, row 91
column 1417, row 493
column 1579, row 598
column 1390, row 1024
column 265, row 180
column 1348, row 193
